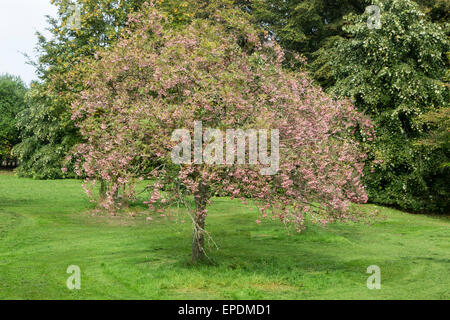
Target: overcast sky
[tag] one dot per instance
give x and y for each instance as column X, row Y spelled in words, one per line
column 19, row 21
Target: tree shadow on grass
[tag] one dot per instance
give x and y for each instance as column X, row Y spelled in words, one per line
column 247, row 256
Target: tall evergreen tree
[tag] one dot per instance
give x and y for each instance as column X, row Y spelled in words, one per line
column 396, row 74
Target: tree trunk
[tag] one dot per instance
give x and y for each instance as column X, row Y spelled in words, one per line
column 198, row 241
column 103, row 190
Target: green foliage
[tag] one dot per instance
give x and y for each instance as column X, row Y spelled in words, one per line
column 438, row 135
column 396, row 75
column 437, row 10
column 437, row 121
column 312, row 27
column 305, row 25
column 47, row 133
column 309, row 27
column 12, row 93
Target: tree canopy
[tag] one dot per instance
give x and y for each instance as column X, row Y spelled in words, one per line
column 12, row 102
column 159, row 79
column 395, row 75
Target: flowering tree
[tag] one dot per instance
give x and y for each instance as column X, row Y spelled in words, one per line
column 158, row 79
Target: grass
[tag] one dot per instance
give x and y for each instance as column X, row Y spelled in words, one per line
column 45, row 227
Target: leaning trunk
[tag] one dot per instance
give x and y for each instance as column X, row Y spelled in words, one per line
column 198, row 241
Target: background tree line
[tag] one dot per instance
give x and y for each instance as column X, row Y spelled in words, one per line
column 397, row 75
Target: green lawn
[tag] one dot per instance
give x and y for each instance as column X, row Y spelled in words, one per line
column 45, row 227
